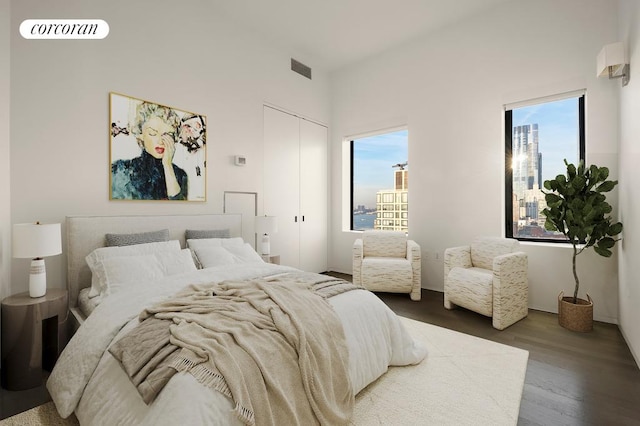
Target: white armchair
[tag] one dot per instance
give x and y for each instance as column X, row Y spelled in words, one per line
column 488, row 277
column 387, row 261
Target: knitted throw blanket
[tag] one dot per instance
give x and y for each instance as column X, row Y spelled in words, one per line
column 275, row 347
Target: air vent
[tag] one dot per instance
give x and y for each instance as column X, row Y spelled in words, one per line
column 300, row 68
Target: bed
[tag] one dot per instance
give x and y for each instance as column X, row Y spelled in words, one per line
column 89, row 381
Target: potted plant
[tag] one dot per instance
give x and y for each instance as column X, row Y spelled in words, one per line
column 577, row 207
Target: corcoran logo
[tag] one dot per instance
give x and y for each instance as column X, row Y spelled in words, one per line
column 64, row 29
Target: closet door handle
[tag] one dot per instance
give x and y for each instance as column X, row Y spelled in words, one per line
column 303, row 218
column 295, row 219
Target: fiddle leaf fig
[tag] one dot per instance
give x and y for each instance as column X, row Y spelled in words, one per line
column 606, row 186
column 604, row 173
column 552, row 198
column 606, row 242
column 578, row 182
column 577, row 207
column 614, row 229
column 603, row 251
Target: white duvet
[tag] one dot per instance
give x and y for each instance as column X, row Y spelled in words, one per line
column 88, row 380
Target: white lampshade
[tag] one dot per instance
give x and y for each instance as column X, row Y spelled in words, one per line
column 266, row 225
column 612, row 55
column 31, row 240
column 35, row 241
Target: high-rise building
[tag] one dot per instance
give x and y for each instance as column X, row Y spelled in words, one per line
column 392, row 205
column 527, row 173
column 527, row 178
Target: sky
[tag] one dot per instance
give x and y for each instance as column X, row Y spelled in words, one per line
column 374, row 157
column 557, row 133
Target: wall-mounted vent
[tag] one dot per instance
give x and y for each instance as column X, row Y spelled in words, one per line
column 300, row 68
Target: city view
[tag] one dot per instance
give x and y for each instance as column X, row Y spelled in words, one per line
column 543, row 136
column 380, row 182
column 364, row 218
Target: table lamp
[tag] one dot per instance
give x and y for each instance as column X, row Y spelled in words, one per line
column 266, row 225
column 35, row 241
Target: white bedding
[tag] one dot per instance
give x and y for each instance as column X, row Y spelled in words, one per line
column 89, row 381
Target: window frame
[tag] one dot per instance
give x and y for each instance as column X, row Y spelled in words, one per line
column 508, row 172
column 351, row 164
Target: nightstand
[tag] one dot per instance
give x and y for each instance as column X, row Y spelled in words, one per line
column 33, row 335
column 271, row 258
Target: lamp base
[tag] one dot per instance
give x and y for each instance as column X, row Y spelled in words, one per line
column 265, row 245
column 37, row 278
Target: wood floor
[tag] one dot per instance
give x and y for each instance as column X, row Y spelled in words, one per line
column 572, row 378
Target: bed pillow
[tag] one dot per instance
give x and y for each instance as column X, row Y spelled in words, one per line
column 94, row 258
column 138, row 238
column 116, row 272
column 244, row 254
column 209, row 257
column 119, row 271
column 173, row 264
column 195, row 244
column 193, row 234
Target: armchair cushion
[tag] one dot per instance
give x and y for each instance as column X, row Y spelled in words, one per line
column 484, row 249
column 385, row 244
column 472, row 288
column 391, row 274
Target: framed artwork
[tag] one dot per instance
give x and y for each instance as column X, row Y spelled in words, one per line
column 156, row 152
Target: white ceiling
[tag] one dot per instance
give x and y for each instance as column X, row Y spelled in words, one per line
column 335, row 33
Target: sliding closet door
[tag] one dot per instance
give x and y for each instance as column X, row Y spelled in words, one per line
column 313, row 196
column 282, row 182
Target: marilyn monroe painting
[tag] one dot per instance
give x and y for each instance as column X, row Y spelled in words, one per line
column 157, row 152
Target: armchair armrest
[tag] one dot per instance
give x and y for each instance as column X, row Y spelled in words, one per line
column 510, row 289
column 357, row 255
column 414, row 256
column 516, row 260
column 457, row 257
column 510, row 269
column 358, row 248
column 413, row 251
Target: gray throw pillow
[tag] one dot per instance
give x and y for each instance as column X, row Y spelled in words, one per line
column 138, row 238
column 194, row 234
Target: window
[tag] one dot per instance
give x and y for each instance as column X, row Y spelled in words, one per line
column 539, row 137
column 379, row 181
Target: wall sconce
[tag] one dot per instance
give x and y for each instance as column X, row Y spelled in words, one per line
column 612, row 62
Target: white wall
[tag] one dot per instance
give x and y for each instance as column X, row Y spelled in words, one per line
column 449, row 87
column 183, row 54
column 5, row 209
column 629, row 287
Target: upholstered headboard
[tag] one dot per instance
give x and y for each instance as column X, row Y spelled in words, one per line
column 86, row 233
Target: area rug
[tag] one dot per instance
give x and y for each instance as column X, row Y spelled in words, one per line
column 44, row 414
column 464, row 380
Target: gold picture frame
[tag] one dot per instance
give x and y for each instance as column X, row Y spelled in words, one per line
column 156, row 152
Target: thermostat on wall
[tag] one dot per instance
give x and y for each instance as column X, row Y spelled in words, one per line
column 241, row 160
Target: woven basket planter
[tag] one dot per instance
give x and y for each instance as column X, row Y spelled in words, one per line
column 575, row 316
